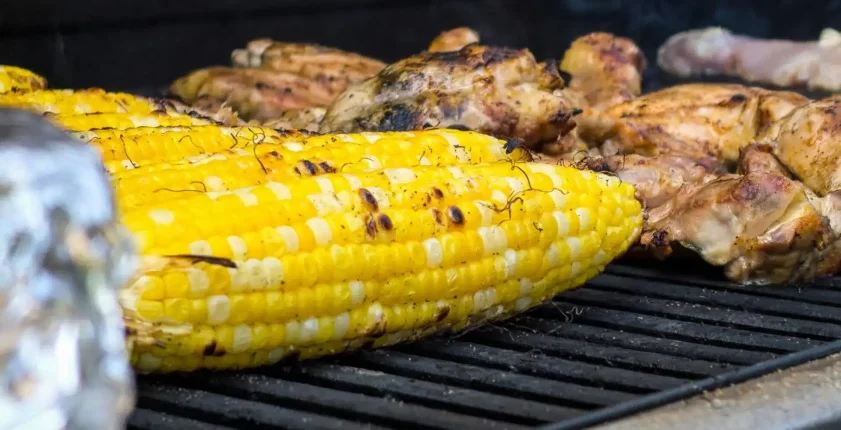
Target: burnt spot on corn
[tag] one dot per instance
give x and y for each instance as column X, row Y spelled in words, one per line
column 442, row 314
column 310, row 167
column 370, row 227
column 436, row 215
column 210, row 348
column 326, row 167
column 275, row 154
column 207, row 259
column 456, row 215
column 369, row 200
column 385, row 222
column 290, row 358
column 437, row 193
column 377, row 330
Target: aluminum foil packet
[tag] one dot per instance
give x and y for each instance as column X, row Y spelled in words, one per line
column 63, row 256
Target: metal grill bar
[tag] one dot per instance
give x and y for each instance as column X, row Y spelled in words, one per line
column 632, row 339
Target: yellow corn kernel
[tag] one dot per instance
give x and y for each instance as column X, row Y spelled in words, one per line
column 305, row 290
column 17, row 80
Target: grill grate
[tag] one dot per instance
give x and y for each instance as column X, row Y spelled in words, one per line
column 634, row 338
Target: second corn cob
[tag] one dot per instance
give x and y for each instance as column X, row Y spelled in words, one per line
column 278, row 162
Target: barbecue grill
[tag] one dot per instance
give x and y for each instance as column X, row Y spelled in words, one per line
column 634, row 339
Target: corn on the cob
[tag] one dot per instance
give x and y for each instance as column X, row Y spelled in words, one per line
column 134, row 147
column 17, row 80
column 336, row 262
column 70, row 102
column 93, row 121
column 248, row 167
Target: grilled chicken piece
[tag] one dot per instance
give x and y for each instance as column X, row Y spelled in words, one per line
column 603, row 70
column 453, row 40
column 716, row 51
column 255, row 94
column 330, row 68
column 298, row 119
column 606, row 70
column 499, row 91
column 658, row 180
column 762, row 226
column 808, row 142
column 698, row 120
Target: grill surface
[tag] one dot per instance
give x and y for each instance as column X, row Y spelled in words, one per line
column 632, row 339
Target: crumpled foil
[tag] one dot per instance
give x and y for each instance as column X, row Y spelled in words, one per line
column 63, row 255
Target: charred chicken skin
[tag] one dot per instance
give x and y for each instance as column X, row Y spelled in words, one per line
column 499, row 91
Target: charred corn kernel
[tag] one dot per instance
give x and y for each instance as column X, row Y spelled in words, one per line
column 76, row 102
column 143, row 146
column 93, row 121
column 248, row 167
column 319, row 268
column 17, row 80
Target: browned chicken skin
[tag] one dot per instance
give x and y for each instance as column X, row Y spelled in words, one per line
column 499, row 91
column 698, row 120
column 453, row 40
column 330, row 68
column 606, row 70
column 298, row 119
column 761, row 226
column 257, row 94
column 272, row 77
column 808, row 142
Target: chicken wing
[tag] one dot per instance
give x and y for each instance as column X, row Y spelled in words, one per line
column 499, row 91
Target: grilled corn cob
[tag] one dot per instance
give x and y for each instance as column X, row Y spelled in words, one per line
column 248, row 167
column 330, row 263
column 134, row 147
column 93, row 121
column 17, row 80
column 70, row 102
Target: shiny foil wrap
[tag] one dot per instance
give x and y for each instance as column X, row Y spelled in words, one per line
column 63, row 363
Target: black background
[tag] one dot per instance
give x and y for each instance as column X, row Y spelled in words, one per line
column 134, row 44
